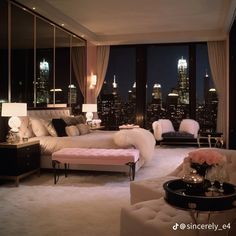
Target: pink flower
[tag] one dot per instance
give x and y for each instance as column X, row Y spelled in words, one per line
column 210, row 157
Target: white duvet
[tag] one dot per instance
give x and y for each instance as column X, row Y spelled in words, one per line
column 139, row 138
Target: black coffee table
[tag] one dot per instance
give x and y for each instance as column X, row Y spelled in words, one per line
column 177, row 195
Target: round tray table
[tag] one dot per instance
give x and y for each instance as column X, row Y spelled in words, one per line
column 175, row 194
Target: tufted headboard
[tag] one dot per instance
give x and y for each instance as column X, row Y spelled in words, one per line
column 49, row 113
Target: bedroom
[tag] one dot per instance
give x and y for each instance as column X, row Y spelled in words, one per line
column 91, row 61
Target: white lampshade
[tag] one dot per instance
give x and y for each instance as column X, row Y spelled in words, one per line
column 89, row 108
column 14, row 110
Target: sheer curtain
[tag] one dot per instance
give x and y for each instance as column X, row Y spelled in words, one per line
column 102, row 63
column 217, row 60
column 79, row 67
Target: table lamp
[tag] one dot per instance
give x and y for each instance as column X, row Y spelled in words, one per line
column 89, row 109
column 14, row 110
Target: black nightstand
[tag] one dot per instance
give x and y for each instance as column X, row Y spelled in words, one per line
column 19, row 160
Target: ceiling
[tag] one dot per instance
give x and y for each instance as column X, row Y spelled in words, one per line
column 140, row 21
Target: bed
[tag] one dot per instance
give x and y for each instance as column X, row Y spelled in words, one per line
column 138, row 138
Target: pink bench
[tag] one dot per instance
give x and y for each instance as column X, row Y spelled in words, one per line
column 95, row 156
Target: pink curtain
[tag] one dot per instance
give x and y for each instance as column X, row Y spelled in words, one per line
column 79, row 67
column 218, row 62
column 102, row 63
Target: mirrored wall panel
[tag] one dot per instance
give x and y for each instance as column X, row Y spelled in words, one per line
column 22, row 55
column 3, row 51
column 36, row 60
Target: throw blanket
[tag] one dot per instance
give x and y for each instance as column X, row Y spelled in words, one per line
column 141, row 139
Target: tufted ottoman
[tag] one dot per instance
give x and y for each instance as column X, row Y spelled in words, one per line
column 157, row 218
column 153, row 218
column 148, row 189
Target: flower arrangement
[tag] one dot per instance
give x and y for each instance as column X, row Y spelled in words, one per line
column 201, row 160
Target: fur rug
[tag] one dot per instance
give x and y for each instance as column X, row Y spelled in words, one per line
column 84, row 204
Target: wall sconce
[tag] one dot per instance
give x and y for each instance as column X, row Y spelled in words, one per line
column 93, row 81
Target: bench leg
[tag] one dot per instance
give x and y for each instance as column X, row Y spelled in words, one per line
column 65, row 169
column 131, row 170
column 56, row 173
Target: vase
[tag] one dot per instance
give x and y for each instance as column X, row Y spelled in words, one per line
column 200, row 168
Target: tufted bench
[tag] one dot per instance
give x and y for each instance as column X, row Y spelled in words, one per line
column 95, row 156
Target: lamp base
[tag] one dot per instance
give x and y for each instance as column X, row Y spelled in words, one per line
column 13, row 137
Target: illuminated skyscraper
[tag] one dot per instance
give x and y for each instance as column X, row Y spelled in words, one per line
column 156, row 94
column 42, row 91
column 183, row 81
column 114, row 86
column 206, row 87
column 72, row 94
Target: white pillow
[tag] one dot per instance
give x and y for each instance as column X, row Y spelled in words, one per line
column 72, row 130
column 38, row 128
column 49, row 126
column 25, row 128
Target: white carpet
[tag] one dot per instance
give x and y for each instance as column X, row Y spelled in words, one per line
column 84, row 204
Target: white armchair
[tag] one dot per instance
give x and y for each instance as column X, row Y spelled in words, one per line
column 162, row 126
column 190, row 126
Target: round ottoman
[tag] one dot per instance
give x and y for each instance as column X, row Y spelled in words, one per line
column 158, row 218
column 154, row 218
column 148, row 189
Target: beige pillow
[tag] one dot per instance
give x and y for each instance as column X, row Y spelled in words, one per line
column 25, row 128
column 38, row 128
column 72, row 130
column 83, row 129
column 49, row 126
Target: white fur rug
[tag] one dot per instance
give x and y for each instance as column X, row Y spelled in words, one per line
column 84, row 204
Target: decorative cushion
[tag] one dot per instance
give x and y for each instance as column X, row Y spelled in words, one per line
column 49, row 126
column 70, row 120
column 83, row 129
column 183, row 135
column 26, row 128
column 59, row 125
column 72, row 130
column 38, row 128
column 80, row 119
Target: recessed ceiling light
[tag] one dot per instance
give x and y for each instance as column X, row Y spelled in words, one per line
column 62, row 24
column 82, row 35
column 33, row 8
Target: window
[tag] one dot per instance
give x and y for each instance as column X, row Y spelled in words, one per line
column 174, row 86
column 207, row 101
column 167, row 83
column 117, row 99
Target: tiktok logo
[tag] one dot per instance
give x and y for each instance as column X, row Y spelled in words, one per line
column 175, row 227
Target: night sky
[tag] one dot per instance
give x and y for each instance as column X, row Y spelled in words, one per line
column 161, row 67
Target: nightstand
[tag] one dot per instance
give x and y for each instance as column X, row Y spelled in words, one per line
column 97, row 127
column 19, row 160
